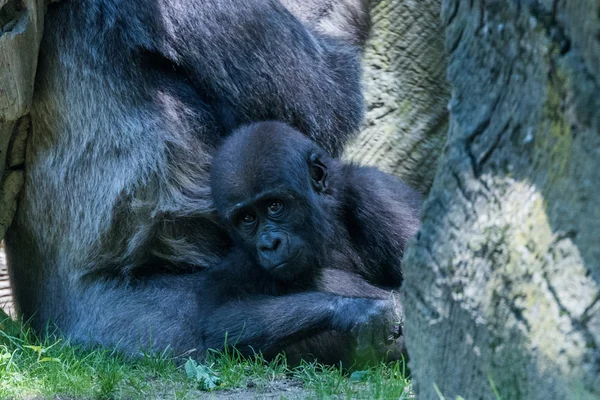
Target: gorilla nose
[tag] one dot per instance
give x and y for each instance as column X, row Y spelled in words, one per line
column 269, row 242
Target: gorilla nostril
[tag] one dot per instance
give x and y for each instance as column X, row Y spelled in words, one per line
column 276, row 243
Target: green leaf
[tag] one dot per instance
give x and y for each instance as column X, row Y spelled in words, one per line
column 359, row 376
column 190, row 368
column 206, row 378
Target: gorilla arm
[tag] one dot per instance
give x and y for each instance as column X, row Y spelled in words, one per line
column 269, row 323
column 179, row 314
column 189, row 312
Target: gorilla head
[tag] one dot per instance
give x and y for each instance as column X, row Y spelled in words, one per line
column 271, row 185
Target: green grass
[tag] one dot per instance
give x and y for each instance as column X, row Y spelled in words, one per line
column 51, row 368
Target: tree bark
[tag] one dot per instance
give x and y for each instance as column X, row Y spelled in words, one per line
column 6, row 300
column 502, row 284
column 406, row 91
column 21, row 24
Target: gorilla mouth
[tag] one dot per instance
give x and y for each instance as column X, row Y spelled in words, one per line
column 284, row 264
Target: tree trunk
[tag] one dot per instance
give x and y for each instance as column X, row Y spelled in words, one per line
column 502, row 284
column 6, row 300
column 21, row 24
column 406, row 91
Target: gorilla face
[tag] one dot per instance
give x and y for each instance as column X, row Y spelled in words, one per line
column 271, row 196
column 270, row 226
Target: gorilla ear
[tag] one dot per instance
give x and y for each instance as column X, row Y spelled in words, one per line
column 318, row 173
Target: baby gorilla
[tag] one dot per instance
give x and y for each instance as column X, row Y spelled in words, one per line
column 304, row 222
column 295, row 210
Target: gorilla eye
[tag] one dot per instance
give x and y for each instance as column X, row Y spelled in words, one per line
column 274, row 207
column 248, row 219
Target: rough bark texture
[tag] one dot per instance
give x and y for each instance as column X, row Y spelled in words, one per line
column 21, row 24
column 406, row 91
column 502, row 284
column 6, row 301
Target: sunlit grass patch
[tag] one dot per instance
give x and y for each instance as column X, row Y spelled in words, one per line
column 30, row 367
column 384, row 381
column 52, row 368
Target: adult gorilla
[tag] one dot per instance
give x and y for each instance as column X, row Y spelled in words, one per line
column 115, row 225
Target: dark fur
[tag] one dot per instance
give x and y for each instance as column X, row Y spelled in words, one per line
column 336, row 227
column 115, row 227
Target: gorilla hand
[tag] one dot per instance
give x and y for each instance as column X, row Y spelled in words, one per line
column 376, row 326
